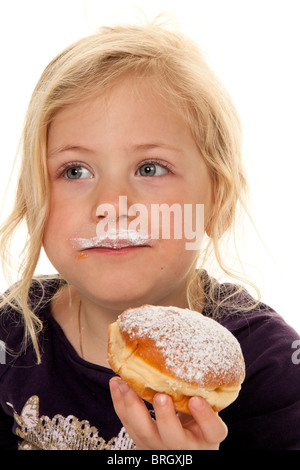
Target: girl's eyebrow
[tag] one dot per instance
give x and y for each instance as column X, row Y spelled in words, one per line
column 66, row 148
column 156, row 145
column 135, row 148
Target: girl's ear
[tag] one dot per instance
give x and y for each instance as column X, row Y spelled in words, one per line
column 219, row 220
column 220, row 214
column 209, row 213
column 208, row 228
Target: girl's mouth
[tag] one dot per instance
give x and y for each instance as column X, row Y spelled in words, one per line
column 117, row 240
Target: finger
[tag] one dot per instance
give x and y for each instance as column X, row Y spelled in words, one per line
column 168, row 423
column 119, row 390
column 117, row 397
column 213, row 429
column 135, row 417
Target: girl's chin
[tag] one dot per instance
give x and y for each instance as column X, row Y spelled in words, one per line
column 119, row 296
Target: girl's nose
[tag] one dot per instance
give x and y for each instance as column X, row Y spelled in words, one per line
column 113, row 211
column 112, row 199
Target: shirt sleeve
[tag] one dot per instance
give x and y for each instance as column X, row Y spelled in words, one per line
column 11, row 335
column 266, row 415
column 8, row 441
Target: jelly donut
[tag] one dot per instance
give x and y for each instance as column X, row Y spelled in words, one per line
column 176, row 351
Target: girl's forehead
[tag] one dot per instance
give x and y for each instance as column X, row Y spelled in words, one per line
column 130, row 106
column 140, row 91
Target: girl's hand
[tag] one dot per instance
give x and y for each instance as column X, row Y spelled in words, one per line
column 204, row 430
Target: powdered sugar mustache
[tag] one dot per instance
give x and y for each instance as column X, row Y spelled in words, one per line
column 116, row 239
column 158, row 216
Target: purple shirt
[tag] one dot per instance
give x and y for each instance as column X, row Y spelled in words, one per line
column 65, row 403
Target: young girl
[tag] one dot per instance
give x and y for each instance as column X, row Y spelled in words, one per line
column 130, row 114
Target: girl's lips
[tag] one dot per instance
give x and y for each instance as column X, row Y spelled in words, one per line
column 115, row 250
column 117, row 244
column 113, row 241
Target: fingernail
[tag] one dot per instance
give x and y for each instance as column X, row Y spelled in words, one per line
column 114, row 383
column 123, row 386
column 197, row 403
column 161, row 399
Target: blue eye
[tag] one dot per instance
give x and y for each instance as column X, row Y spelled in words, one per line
column 152, row 169
column 77, row 172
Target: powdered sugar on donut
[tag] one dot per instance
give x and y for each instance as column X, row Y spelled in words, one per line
column 196, row 348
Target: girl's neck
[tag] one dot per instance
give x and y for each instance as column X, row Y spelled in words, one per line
column 86, row 329
column 85, row 323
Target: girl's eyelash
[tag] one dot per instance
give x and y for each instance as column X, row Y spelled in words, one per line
column 66, row 166
column 154, row 161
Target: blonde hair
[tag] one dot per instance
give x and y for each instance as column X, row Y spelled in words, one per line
column 92, row 65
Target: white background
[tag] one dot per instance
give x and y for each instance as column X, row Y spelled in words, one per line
column 253, row 45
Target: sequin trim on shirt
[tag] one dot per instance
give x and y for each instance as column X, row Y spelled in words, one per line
column 60, row 433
